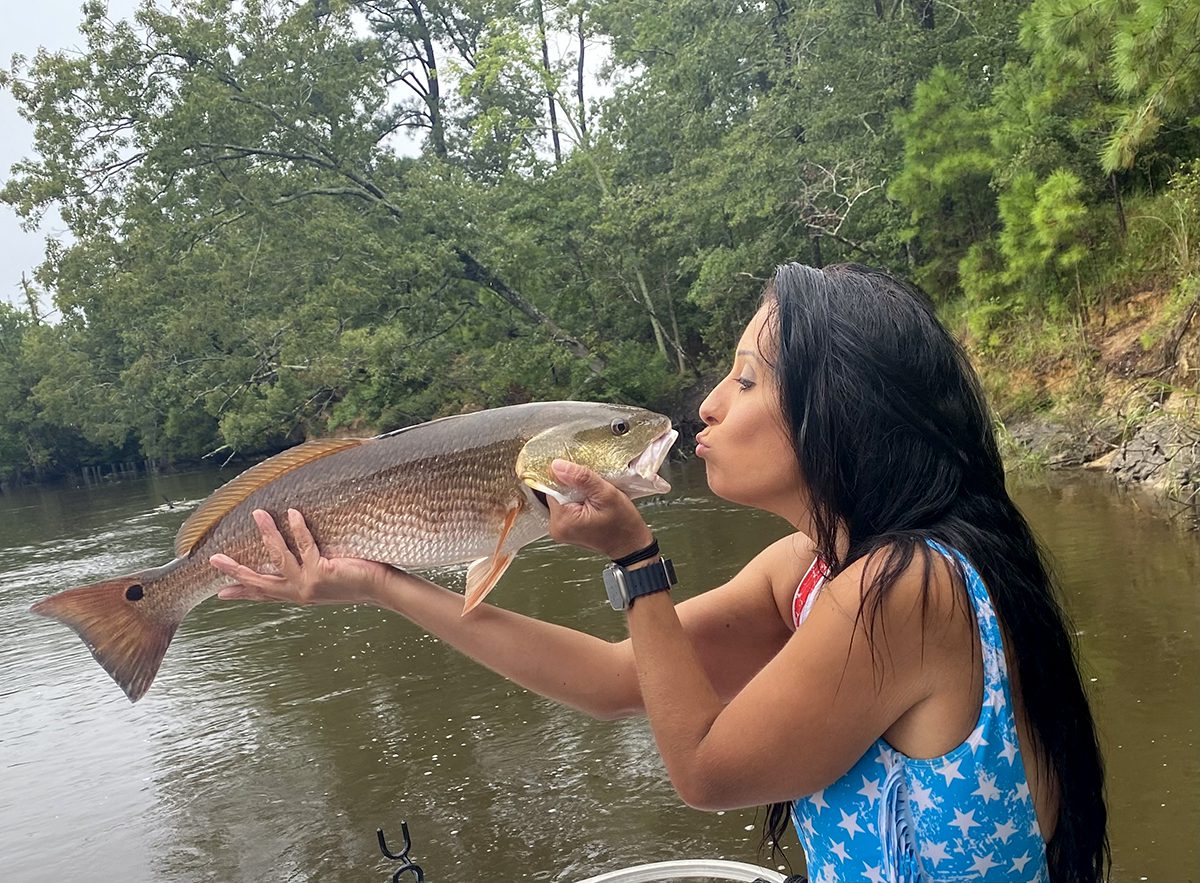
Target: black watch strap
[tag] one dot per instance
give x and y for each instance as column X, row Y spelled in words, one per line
column 656, row 577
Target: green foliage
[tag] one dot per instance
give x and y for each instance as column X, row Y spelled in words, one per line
column 290, row 218
column 948, row 164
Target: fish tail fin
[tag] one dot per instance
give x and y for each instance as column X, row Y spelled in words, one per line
column 127, row 635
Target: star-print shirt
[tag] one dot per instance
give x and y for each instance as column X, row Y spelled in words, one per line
column 966, row 815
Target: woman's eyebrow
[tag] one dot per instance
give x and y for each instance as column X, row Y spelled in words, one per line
column 748, row 353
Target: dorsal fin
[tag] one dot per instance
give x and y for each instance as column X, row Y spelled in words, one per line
column 226, row 497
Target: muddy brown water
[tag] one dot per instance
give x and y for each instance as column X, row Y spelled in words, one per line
column 276, row 740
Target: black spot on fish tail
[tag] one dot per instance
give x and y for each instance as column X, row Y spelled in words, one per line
column 134, row 593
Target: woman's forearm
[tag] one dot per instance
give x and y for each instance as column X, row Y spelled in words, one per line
column 568, row 666
column 678, row 694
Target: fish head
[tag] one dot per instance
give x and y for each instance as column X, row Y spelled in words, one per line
column 623, row 444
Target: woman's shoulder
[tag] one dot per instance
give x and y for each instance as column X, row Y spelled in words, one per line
column 783, row 565
column 923, row 588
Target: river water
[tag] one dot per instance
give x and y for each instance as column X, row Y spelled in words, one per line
column 275, row 741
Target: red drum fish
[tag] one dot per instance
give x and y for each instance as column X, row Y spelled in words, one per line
column 459, row 490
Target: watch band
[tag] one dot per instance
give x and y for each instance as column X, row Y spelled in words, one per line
column 656, row 577
column 626, row 586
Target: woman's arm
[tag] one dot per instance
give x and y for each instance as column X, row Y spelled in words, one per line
column 812, row 710
column 737, row 625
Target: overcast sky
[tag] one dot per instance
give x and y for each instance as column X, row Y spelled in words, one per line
column 24, row 27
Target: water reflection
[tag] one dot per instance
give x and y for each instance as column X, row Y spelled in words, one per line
column 275, row 740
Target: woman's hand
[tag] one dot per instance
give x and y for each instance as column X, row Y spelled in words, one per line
column 303, row 576
column 605, row 520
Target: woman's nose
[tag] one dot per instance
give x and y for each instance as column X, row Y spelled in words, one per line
column 709, row 407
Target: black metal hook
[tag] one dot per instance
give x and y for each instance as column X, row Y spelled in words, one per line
column 402, row 857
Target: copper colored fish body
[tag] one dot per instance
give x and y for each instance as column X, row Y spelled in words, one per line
column 458, row 490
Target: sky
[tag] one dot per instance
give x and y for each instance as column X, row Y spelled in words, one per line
column 24, row 27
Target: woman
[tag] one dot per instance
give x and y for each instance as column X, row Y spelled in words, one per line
column 915, row 705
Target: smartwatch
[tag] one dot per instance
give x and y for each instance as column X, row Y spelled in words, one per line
column 626, row 586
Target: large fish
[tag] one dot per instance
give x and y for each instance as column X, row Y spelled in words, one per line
column 451, row 491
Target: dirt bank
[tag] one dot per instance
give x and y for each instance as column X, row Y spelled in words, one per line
column 1124, row 399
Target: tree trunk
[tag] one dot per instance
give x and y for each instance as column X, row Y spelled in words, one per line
column 31, row 300
column 684, row 362
column 433, row 100
column 925, row 14
column 481, row 275
column 1120, row 204
column 814, row 242
column 541, row 19
column 879, row 9
column 659, row 338
column 579, row 78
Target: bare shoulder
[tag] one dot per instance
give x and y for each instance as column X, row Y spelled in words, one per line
column 781, row 566
column 926, row 590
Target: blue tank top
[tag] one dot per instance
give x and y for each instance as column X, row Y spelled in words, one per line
column 967, row 815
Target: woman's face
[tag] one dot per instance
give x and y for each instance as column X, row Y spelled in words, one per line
column 745, row 447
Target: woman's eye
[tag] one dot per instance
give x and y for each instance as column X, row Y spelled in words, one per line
column 744, row 383
column 619, row 427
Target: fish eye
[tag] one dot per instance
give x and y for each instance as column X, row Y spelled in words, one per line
column 620, row 427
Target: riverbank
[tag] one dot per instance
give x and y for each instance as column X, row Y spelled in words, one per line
column 1118, row 394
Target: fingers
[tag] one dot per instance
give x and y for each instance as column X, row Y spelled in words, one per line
column 306, row 546
column 247, row 578
column 242, row 593
column 277, row 548
column 577, row 476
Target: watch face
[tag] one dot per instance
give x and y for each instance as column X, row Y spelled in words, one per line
column 614, row 585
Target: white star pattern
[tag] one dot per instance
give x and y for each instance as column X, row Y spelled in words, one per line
column 964, row 821
column 950, row 771
column 993, row 661
column 987, row 788
column 870, row 789
column 921, row 796
column 934, row 852
column 936, row 797
column 1010, row 751
column 976, row 740
column 850, row 823
column 983, row 864
column 1005, row 831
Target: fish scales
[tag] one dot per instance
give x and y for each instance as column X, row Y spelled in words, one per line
column 451, row 491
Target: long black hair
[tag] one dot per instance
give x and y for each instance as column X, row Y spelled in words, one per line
column 896, row 446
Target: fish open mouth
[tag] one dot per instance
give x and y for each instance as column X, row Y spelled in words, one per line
column 642, row 478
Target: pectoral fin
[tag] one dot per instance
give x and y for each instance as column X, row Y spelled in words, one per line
column 547, row 490
column 483, row 574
